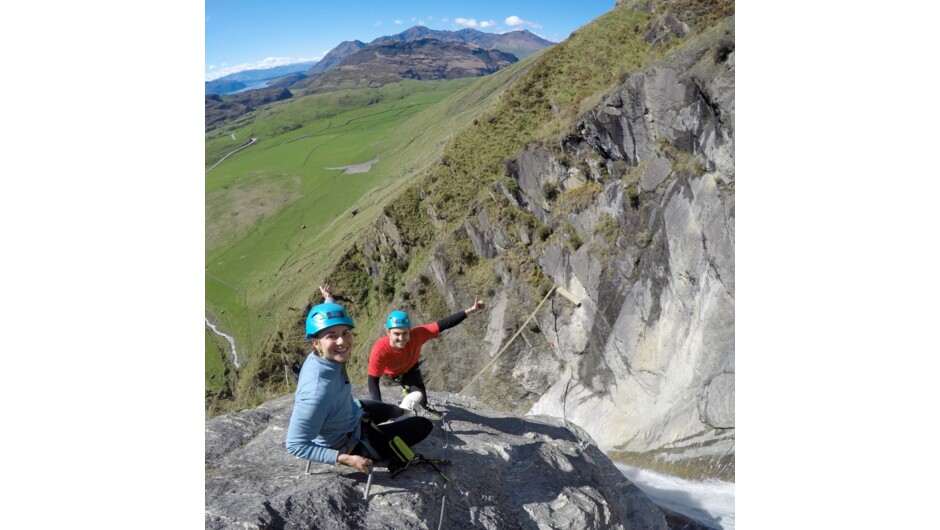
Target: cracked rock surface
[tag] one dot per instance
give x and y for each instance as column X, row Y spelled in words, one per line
column 507, row 472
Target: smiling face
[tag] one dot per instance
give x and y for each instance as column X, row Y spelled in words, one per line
column 399, row 337
column 334, row 343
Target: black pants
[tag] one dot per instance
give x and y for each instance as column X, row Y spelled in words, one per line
column 411, row 430
column 412, row 381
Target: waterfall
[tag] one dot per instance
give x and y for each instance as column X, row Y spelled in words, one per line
column 710, row 503
column 230, row 339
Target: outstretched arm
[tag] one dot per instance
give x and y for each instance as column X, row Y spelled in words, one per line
column 452, row 320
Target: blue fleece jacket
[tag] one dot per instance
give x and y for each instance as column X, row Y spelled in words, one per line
column 324, row 412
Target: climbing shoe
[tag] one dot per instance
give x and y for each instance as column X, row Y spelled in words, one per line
column 411, row 400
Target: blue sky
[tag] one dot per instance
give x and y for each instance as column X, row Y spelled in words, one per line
column 250, row 34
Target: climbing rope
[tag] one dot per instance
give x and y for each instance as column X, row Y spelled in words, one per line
column 522, row 327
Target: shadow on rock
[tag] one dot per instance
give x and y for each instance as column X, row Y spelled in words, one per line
column 507, row 472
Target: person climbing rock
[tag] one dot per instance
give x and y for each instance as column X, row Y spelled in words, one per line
column 396, row 355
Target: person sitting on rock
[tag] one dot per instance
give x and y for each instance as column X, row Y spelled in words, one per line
column 327, row 424
column 396, row 354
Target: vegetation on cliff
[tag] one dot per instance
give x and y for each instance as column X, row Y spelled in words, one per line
column 428, row 194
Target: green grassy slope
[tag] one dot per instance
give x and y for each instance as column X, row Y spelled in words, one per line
column 277, row 220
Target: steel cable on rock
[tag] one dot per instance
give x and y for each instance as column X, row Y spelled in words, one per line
column 440, row 521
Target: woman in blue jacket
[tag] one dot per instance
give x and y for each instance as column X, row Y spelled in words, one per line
column 327, row 424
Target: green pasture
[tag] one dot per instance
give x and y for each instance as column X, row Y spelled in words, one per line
column 277, row 218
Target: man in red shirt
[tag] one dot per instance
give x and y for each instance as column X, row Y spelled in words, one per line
column 396, row 354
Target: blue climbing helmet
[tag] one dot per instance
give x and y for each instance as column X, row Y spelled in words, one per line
column 398, row 319
column 325, row 315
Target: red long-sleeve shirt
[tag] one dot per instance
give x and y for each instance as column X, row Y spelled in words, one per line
column 386, row 360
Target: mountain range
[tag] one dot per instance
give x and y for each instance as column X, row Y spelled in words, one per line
column 392, row 61
column 521, row 44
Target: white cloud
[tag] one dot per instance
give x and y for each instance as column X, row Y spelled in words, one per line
column 397, row 21
column 487, row 24
column 444, row 19
column 468, row 22
column 420, row 22
column 267, row 62
column 515, row 21
column 377, row 23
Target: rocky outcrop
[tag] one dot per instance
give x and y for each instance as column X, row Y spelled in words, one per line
column 506, row 472
column 646, row 362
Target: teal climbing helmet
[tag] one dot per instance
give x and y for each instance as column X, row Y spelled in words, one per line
column 398, row 319
column 325, row 315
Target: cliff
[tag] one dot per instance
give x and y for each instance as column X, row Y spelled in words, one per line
column 631, row 211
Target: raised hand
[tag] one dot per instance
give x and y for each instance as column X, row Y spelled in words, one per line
column 326, row 291
column 478, row 304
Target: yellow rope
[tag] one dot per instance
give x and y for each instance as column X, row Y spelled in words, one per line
column 522, row 327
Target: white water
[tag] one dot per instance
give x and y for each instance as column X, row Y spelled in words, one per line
column 710, row 503
column 229, row 338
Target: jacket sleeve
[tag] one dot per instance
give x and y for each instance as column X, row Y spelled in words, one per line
column 306, row 421
column 451, row 321
column 374, row 391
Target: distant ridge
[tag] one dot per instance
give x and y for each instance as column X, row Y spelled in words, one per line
column 521, row 43
column 424, row 59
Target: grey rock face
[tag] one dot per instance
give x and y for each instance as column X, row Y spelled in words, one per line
column 646, row 362
column 507, row 472
column 632, row 213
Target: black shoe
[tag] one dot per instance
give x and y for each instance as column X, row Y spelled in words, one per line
column 427, row 410
column 395, row 467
